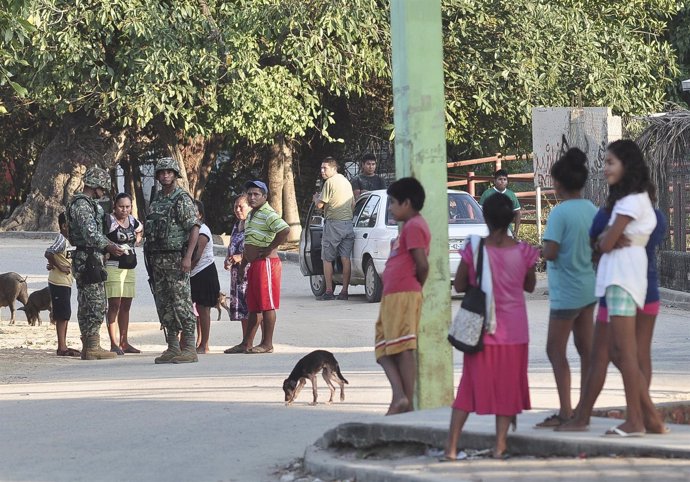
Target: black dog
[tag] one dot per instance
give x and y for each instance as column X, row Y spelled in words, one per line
column 308, row 367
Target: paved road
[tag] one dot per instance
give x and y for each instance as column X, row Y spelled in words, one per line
column 222, row 418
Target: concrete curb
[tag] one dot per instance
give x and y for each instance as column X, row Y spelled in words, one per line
column 363, row 435
column 679, row 299
column 323, row 463
column 321, row 460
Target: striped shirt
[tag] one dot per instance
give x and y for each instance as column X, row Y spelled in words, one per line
column 59, row 249
column 262, row 225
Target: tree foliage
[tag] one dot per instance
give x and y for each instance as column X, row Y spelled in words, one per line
column 124, row 62
column 679, row 36
column 504, row 58
column 253, row 71
column 14, row 29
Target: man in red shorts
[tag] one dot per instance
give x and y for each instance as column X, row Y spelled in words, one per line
column 264, row 231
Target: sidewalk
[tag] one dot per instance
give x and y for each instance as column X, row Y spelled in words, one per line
column 130, row 411
column 356, row 451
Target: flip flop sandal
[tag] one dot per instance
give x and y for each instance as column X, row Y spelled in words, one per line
column 552, row 421
column 117, row 350
column 260, row 349
column 131, row 349
column 236, row 349
column 617, row 432
column 69, row 352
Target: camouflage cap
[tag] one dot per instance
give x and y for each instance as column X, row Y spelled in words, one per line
column 168, row 163
column 97, row 177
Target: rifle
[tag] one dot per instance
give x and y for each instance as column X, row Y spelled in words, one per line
column 149, row 269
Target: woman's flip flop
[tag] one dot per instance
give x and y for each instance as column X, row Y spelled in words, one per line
column 617, row 432
column 260, row 349
column 236, row 349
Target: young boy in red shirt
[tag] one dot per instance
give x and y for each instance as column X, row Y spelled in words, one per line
column 401, row 306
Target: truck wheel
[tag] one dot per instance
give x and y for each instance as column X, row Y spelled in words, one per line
column 318, row 284
column 373, row 287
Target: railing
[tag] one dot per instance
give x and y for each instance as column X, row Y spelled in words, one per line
column 471, row 180
column 528, row 198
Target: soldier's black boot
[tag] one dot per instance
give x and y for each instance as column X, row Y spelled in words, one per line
column 171, row 352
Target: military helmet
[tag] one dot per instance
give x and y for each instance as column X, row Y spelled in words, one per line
column 97, row 177
column 168, row 163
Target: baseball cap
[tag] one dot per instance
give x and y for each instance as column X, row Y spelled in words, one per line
column 260, row 184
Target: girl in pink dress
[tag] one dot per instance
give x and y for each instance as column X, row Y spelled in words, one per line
column 494, row 381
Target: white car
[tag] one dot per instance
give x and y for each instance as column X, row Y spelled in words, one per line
column 375, row 229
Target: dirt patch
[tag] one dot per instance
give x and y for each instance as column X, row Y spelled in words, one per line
column 27, row 350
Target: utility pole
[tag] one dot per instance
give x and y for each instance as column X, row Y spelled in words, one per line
column 420, row 152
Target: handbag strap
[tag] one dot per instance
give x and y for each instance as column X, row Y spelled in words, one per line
column 480, row 263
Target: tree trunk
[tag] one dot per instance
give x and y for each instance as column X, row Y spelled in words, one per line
column 142, row 207
column 174, row 140
column 290, row 206
column 196, row 156
column 126, row 165
column 191, row 151
column 275, row 173
column 203, row 170
column 79, row 144
column 281, row 185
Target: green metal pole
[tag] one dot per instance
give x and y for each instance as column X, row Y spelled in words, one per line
column 420, row 151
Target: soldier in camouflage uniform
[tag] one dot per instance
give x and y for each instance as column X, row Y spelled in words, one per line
column 171, row 231
column 85, row 218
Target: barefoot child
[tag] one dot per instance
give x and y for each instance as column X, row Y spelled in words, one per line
column 494, row 380
column 622, row 277
column 568, row 254
column 60, row 286
column 644, row 321
column 406, row 271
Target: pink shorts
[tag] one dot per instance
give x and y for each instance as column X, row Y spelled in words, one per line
column 651, row 308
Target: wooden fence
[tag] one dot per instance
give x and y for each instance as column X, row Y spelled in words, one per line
column 531, row 200
column 673, row 200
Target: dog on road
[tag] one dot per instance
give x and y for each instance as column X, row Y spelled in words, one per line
column 308, row 368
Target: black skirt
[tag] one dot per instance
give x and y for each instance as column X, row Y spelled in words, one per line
column 205, row 286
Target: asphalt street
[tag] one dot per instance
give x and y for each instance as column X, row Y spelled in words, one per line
column 223, row 418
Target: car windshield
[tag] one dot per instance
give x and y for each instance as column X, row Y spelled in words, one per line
column 462, row 209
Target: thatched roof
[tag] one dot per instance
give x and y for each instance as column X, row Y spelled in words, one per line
column 666, row 143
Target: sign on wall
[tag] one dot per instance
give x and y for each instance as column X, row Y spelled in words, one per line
column 557, row 129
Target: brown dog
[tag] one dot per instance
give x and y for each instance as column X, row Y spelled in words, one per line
column 308, row 367
column 222, row 303
column 38, row 301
